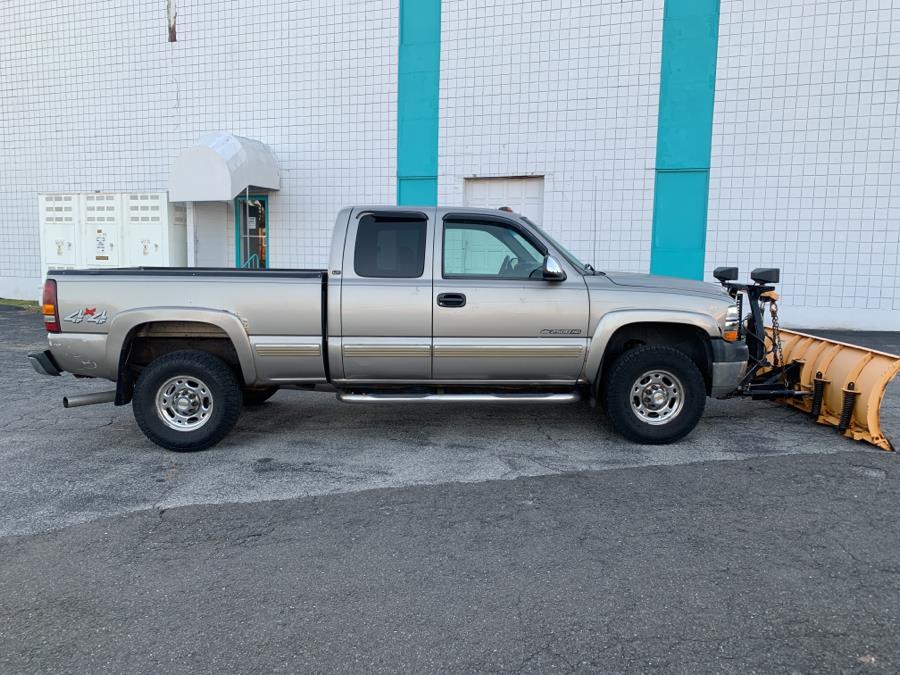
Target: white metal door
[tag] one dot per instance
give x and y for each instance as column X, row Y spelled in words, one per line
column 523, row 195
column 145, row 230
column 59, row 219
column 102, row 226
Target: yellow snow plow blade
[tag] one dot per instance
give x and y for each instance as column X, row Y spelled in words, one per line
column 847, row 383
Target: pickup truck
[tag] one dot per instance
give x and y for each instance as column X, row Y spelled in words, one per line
column 417, row 304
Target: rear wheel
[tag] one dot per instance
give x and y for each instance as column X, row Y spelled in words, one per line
column 257, row 395
column 186, row 400
column 654, row 395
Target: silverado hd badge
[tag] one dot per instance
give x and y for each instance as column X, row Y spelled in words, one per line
column 560, row 331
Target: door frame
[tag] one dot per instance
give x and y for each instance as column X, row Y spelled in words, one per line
column 237, row 225
column 386, row 322
column 473, row 353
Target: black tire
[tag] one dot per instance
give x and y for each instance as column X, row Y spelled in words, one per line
column 257, row 396
column 206, row 383
column 639, row 375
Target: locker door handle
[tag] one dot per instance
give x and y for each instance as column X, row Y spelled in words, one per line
column 451, row 300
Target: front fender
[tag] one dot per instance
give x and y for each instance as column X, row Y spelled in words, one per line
column 123, row 323
column 613, row 321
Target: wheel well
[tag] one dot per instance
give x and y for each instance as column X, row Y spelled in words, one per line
column 148, row 341
column 691, row 340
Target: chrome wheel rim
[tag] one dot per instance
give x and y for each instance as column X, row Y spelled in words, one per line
column 184, row 403
column 657, row 397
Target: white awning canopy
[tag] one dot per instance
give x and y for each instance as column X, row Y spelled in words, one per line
column 220, row 167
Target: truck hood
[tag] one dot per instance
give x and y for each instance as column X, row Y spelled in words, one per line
column 667, row 284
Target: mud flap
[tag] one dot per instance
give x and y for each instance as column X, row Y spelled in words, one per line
column 846, row 383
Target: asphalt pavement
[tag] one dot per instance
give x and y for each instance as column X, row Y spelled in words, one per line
column 322, row 537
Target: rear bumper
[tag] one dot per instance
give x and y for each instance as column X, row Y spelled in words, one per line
column 44, row 363
column 729, row 363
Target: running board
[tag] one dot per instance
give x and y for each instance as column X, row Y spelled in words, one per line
column 459, row 398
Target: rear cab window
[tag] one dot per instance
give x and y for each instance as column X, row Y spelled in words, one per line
column 390, row 248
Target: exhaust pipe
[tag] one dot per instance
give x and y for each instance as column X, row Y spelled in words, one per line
column 89, row 399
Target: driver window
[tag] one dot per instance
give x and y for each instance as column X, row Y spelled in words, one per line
column 488, row 250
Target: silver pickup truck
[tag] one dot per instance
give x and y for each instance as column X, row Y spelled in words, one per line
column 417, row 304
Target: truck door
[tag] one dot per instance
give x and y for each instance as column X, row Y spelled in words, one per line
column 495, row 317
column 386, row 296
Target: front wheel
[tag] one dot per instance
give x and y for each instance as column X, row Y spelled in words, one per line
column 186, row 400
column 654, row 395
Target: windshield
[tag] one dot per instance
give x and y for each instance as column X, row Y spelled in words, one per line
column 570, row 258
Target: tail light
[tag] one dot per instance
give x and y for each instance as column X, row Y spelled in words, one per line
column 50, row 307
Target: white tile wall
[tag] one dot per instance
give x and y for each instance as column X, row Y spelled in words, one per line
column 565, row 89
column 93, row 97
column 805, row 160
column 805, row 169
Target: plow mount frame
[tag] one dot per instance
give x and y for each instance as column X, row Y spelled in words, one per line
column 763, row 379
column 837, row 384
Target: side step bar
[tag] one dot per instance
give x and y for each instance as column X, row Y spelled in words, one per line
column 569, row 397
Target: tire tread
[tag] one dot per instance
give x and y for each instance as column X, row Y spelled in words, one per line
column 207, row 367
column 617, row 394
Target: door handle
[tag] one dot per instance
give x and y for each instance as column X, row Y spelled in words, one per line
column 451, row 300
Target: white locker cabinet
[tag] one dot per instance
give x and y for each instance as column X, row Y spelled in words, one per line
column 111, row 230
column 101, row 225
column 155, row 231
column 59, row 229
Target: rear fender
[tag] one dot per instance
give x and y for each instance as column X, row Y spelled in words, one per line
column 613, row 321
column 125, row 322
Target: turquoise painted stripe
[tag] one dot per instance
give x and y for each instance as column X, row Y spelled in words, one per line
column 684, row 137
column 418, row 90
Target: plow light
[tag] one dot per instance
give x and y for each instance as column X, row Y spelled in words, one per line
column 724, row 274
column 766, row 275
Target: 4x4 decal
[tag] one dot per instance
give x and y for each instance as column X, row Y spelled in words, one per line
column 88, row 314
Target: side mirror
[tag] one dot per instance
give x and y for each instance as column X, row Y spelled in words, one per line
column 552, row 270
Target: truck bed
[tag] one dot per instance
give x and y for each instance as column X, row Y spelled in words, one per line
column 268, row 302
column 192, row 272
column 276, row 318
